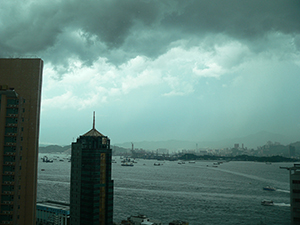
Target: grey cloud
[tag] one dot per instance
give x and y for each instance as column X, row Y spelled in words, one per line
column 136, row 27
column 111, row 21
column 238, row 18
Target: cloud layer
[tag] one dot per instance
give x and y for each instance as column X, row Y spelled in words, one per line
column 158, row 70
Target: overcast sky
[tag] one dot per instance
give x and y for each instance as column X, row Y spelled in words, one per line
column 159, row 70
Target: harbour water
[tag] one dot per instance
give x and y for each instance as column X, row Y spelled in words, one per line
column 194, row 192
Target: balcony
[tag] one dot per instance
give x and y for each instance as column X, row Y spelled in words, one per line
column 10, row 183
column 7, row 203
column 10, row 144
column 8, row 192
column 6, row 222
column 9, row 173
column 6, row 213
column 12, row 106
column 9, row 153
column 9, row 163
column 11, row 134
column 12, row 115
column 12, row 125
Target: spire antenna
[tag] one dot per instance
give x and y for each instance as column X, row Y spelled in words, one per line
column 94, row 120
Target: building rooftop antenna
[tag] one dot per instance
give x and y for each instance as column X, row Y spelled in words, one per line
column 94, row 120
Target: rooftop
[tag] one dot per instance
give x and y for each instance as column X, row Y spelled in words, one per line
column 55, row 205
column 93, row 132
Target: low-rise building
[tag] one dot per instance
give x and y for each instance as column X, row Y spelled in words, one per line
column 294, row 192
column 52, row 213
column 141, row 220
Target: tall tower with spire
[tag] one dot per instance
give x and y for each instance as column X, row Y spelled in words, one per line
column 91, row 194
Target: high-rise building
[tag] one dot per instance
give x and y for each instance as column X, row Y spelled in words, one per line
column 292, row 151
column 20, row 99
column 294, row 192
column 91, row 195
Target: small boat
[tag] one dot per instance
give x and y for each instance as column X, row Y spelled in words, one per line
column 42, row 169
column 46, row 160
column 127, row 164
column 269, row 188
column 157, row 164
column 267, row 202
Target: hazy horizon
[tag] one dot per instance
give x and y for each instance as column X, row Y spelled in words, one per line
column 251, row 142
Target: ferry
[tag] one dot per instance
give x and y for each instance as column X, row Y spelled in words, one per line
column 269, row 188
column 267, row 202
column 127, row 164
column 46, row 160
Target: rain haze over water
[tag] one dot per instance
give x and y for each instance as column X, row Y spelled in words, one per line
column 196, row 193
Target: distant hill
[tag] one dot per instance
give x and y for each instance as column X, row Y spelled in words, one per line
column 67, row 149
column 54, row 149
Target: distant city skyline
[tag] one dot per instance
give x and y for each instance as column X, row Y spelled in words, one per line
column 156, row 70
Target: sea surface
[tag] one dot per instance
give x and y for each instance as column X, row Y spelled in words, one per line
column 197, row 193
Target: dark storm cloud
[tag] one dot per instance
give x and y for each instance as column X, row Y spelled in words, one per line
column 128, row 28
column 237, row 18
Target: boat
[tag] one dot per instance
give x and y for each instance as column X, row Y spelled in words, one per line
column 192, row 162
column 157, row 164
column 141, row 220
column 269, row 188
column 126, row 160
column 267, row 202
column 127, row 164
column 46, row 160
